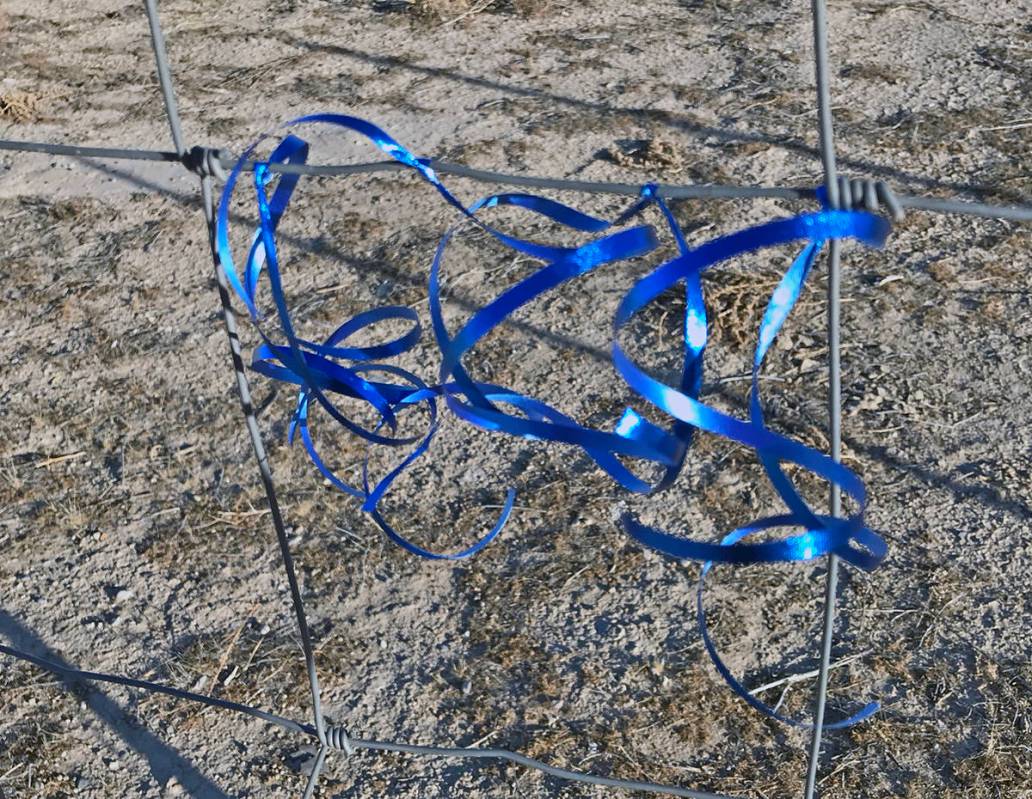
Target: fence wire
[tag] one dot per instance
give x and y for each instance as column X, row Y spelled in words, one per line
column 208, row 163
column 708, row 191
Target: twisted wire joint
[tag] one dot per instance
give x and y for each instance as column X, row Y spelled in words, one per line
column 337, row 738
column 205, row 161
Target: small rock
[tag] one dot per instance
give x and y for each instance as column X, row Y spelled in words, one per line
column 117, row 593
column 303, row 760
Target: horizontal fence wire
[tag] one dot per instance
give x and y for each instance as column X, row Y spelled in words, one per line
column 1012, row 213
column 74, row 675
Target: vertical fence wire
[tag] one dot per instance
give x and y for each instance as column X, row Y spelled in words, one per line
column 827, row 148
column 261, row 457
column 244, row 392
column 168, row 96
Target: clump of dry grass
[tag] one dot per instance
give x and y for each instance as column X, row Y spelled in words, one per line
column 655, row 154
column 19, row 106
column 31, row 750
column 735, row 302
column 454, row 10
column 1003, row 760
column 445, row 9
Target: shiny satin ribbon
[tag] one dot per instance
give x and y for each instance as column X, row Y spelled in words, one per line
column 314, row 368
column 318, row 370
column 823, row 534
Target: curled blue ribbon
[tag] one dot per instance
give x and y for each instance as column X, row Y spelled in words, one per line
column 316, row 367
column 332, row 367
column 823, row 534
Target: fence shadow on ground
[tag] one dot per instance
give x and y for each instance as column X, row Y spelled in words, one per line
column 164, row 761
column 667, row 118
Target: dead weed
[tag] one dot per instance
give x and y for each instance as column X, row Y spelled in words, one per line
column 18, row 106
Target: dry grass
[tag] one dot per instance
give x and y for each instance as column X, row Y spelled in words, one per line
column 32, row 748
column 1003, row 759
column 18, row 106
column 451, row 11
column 657, row 155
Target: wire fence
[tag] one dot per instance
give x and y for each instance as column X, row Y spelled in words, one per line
column 208, row 164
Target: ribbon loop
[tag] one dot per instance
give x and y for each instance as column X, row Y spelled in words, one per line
column 332, row 367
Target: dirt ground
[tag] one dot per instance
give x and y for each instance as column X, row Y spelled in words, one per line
column 133, row 531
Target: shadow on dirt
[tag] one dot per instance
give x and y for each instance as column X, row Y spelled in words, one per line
column 676, row 121
column 164, row 761
column 985, row 495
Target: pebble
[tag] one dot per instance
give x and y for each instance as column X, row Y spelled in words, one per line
column 303, row 760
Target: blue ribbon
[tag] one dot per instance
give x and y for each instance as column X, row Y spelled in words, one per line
column 331, row 367
column 823, row 534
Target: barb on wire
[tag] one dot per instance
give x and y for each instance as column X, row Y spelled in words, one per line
column 338, row 739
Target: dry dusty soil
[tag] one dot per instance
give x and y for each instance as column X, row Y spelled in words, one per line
column 134, row 535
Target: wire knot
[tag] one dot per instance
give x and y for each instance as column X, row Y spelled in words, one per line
column 205, row 161
column 868, row 195
column 337, row 738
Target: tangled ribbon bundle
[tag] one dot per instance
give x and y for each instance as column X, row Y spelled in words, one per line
column 332, row 367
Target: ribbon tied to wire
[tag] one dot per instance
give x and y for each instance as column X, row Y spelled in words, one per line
column 332, row 367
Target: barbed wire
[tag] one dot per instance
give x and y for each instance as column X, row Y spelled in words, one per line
column 351, row 745
column 208, row 163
